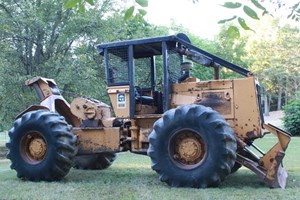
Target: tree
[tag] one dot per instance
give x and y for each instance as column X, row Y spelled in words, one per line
column 41, row 38
column 291, row 119
column 275, row 59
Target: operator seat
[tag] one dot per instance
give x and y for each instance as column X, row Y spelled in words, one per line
column 146, row 100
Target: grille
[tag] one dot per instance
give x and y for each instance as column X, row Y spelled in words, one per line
column 174, row 62
column 143, row 72
column 118, row 65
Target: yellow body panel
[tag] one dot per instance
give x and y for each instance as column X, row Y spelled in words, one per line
column 120, row 100
column 247, row 122
column 235, row 99
column 97, row 140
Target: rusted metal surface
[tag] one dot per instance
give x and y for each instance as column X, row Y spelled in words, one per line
column 216, row 94
column 269, row 166
column 31, row 108
column 63, row 108
column 141, row 109
column 97, row 140
column 189, row 149
column 219, row 101
column 51, row 98
column 91, row 109
column 247, row 122
column 252, row 165
column 276, row 176
column 33, row 147
column 45, row 87
column 85, row 108
column 141, row 128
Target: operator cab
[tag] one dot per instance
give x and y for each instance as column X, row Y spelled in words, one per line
column 140, row 73
column 138, row 83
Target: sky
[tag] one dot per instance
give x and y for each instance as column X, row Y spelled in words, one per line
column 200, row 18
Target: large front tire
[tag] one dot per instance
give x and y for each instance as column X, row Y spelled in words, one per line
column 192, row 146
column 94, row 162
column 41, row 146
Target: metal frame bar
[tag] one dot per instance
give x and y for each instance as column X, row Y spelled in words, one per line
column 166, row 90
column 173, row 38
column 216, row 59
column 153, row 74
column 106, row 58
column 131, row 75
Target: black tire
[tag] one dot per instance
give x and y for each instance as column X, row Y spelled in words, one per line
column 235, row 167
column 94, row 162
column 192, row 146
column 41, row 146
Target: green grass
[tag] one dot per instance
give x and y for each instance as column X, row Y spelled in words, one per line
column 131, row 177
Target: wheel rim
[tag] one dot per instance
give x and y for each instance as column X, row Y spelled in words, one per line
column 33, row 147
column 187, row 149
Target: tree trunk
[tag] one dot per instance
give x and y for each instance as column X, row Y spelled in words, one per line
column 279, row 102
column 296, row 87
column 266, row 105
column 286, row 91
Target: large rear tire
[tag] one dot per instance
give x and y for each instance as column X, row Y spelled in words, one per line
column 192, row 146
column 94, row 162
column 41, row 146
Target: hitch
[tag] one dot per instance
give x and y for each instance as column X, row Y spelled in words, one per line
column 269, row 166
column 276, row 176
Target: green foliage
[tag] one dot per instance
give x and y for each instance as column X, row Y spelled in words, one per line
column 258, row 5
column 226, row 20
column 275, row 59
column 232, row 5
column 78, row 4
column 231, row 49
column 295, row 12
column 143, row 3
column 250, row 12
column 291, row 119
column 233, row 32
column 71, row 3
column 139, row 5
column 253, row 10
column 129, row 12
column 243, row 24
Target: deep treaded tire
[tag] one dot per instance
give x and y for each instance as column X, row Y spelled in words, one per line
column 192, row 146
column 41, row 146
column 94, row 162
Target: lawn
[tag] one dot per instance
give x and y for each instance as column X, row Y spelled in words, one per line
column 130, row 177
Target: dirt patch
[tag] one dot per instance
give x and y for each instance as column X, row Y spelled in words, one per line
column 275, row 118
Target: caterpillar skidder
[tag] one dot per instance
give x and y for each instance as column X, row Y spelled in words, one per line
column 195, row 132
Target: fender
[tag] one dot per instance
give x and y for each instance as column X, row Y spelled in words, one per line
column 32, row 108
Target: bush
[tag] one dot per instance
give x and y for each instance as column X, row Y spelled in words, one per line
column 291, row 119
